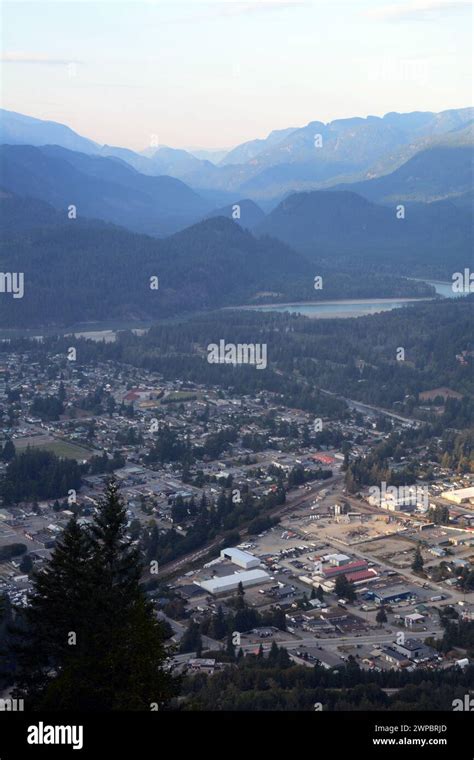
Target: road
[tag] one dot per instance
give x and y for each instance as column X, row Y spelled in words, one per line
column 370, row 410
column 326, row 642
column 179, row 629
column 458, row 596
column 294, row 501
column 449, row 594
column 377, row 637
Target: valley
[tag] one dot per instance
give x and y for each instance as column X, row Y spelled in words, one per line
column 236, row 376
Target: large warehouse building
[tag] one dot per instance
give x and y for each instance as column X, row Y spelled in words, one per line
column 240, row 558
column 391, row 594
column 460, row 495
column 350, row 567
column 231, row 582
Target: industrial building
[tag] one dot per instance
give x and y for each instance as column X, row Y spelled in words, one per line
column 336, row 560
column 397, row 659
column 415, row 650
column 240, row 558
column 230, row 582
column 391, row 594
column 362, row 576
column 460, row 495
column 350, row 567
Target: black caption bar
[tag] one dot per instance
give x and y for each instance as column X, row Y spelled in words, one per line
column 382, row 734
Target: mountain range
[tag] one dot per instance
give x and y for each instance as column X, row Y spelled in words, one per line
column 101, row 187
column 265, row 170
column 214, row 245
column 87, row 270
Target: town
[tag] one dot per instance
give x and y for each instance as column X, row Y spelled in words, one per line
column 252, row 533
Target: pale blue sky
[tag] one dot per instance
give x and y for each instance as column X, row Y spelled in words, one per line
column 215, row 74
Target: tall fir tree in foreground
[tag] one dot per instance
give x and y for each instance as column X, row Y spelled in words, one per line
column 90, row 640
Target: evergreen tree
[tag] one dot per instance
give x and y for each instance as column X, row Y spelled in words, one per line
column 345, row 588
column 240, row 597
column 284, row 660
column 191, row 640
column 273, row 653
column 90, row 640
column 219, row 626
column 9, row 450
column 230, row 646
column 57, row 608
column 418, row 562
column 381, row 616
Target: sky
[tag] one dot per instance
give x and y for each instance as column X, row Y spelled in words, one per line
column 215, row 74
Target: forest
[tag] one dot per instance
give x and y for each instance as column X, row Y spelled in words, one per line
column 312, row 361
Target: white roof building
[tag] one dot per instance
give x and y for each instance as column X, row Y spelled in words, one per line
column 337, row 559
column 240, row 558
column 231, row 582
column 414, row 618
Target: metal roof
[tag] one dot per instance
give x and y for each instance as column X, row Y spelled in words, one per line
column 238, row 554
column 247, row 577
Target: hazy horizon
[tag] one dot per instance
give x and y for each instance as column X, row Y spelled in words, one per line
column 215, row 74
column 214, row 149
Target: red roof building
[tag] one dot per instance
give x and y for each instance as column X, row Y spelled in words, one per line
column 333, row 572
column 324, row 458
column 361, row 575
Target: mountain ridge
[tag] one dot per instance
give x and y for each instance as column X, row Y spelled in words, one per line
column 289, row 160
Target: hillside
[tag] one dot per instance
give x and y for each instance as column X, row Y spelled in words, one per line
column 433, row 174
column 85, row 270
column 104, row 188
column 249, row 214
column 343, row 229
column 19, row 129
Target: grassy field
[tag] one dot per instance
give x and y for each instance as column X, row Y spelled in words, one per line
column 60, row 448
column 176, row 396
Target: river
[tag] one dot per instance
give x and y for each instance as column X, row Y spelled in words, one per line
column 343, row 308
column 355, row 307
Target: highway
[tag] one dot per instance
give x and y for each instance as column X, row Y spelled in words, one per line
column 377, row 637
column 332, row 644
column 370, row 410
